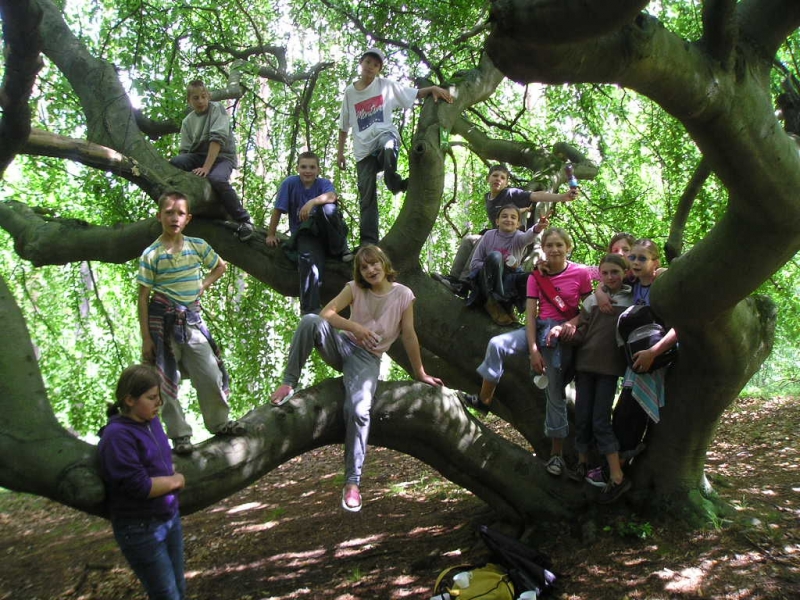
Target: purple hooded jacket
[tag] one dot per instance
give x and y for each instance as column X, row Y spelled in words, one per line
column 130, row 454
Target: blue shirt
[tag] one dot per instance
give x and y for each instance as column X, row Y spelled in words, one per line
column 293, row 195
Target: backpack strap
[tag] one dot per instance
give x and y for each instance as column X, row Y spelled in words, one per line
column 549, row 291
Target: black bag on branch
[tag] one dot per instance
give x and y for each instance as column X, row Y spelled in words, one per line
column 640, row 329
column 489, row 582
column 528, row 569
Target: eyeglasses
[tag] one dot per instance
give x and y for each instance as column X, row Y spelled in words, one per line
column 639, row 258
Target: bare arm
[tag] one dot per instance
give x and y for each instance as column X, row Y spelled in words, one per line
column 411, row 344
column 213, row 275
column 340, row 160
column 437, row 92
column 274, row 219
column 325, row 198
column 142, row 306
column 551, row 197
column 160, row 486
column 643, row 360
column 531, row 310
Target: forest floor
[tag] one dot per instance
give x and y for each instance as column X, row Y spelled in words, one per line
column 286, row 537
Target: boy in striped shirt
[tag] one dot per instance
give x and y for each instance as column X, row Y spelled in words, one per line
column 174, row 335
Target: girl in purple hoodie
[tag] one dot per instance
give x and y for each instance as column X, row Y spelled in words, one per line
column 142, row 485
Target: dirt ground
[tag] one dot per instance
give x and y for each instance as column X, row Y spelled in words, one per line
column 286, row 537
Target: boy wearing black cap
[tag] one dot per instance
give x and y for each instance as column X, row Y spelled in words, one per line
column 367, row 110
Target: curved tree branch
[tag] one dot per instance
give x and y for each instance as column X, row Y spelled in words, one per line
column 674, row 245
column 23, row 61
column 768, row 22
column 564, row 21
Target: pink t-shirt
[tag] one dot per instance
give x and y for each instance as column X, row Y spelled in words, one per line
column 572, row 283
column 381, row 313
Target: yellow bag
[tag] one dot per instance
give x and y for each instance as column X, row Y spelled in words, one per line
column 490, row 582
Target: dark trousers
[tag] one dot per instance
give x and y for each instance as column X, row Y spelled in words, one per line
column 593, row 402
column 629, row 422
column 367, row 169
column 219, row 177
column 311, row 264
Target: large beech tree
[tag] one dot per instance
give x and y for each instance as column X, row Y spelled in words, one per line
column 716, row 85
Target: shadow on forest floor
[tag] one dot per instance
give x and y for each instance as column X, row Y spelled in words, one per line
column 285, row 537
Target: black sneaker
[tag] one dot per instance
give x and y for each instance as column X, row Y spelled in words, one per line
column 613, row 491
column 472, row 401
column 182, row 445
column 245, row 231
column 347, row 256
column 579, row 472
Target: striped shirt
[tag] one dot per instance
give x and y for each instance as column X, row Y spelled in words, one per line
column 177, row 276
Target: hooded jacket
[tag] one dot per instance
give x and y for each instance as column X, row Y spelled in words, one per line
column 131, row 453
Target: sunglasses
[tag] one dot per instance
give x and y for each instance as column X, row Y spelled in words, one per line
column 639, row 258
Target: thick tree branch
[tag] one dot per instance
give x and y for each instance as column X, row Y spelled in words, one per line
column 720, row 30
column 674, row 245
column 564, row 21
column 23, row 61
column 767, row 23
column 44, row 143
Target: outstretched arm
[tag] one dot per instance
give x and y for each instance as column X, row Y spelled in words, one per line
column 437, row 92
column 411, row 344
column 551, row 197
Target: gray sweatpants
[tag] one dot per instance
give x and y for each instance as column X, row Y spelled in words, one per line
column 360, row 369
column 196, row 359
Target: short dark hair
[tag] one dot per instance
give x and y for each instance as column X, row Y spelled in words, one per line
column 371, row 254
column 195, row 84
column 499, row 167
column 309, row 155
column 171, row 195
column 513, row 207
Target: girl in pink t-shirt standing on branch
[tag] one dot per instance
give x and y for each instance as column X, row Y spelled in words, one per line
column 381, row 310
column 554, row 300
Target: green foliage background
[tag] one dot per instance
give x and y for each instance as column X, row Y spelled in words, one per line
column 82, row 317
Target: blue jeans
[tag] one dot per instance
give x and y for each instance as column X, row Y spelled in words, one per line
column 558, row 367
column 154, row 550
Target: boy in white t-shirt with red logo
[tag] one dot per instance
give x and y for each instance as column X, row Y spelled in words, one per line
column 367, row 109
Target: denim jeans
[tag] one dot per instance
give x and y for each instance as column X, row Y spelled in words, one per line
column 154, row 550
column 558, row 367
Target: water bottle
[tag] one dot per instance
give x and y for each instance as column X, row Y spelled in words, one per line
column 572, row 181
